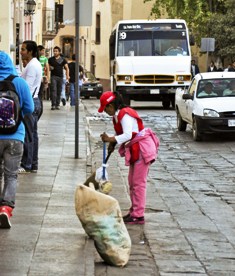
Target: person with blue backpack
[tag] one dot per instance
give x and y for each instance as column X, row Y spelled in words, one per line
column 11, row 144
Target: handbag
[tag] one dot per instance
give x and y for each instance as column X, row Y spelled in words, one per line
column 28, row 121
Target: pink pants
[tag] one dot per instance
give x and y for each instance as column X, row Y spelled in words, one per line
column 137, row 179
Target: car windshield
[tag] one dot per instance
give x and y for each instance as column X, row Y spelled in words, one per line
column 216, row 88
column 90, row 76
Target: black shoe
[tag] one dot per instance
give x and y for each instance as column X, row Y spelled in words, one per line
column 53, row 107
column 64, row 102
column 34, row 169
column 126, row 216
column 133, row 220
column 57, row 107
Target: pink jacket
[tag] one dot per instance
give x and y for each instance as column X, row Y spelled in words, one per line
column 148, row 142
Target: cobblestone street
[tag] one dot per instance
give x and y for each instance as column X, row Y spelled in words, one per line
column 190, row 225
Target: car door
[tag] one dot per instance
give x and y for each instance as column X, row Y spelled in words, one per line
column 189, row 105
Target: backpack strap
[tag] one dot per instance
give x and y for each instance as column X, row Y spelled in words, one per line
column 11, row 77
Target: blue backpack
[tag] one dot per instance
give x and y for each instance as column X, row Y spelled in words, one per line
column 10, row 109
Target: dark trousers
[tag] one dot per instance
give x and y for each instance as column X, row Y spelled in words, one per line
column 56, row 88
column 30, row 155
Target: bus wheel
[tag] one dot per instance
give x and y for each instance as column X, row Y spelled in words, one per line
column 166, row 104
column 173, row 102
column 126, row 100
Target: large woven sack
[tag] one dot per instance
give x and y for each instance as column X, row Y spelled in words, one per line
column 101, row 218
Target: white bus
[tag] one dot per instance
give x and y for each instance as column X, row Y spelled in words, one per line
column 150, row 59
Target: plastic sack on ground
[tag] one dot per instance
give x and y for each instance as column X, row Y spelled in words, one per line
column 101, row 218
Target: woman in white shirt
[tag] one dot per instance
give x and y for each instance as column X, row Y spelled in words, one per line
column 32, row 73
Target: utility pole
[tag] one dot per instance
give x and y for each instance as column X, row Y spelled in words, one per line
column 77, row 7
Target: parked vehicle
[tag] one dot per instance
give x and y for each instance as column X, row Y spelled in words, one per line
column 150, row 59
column 91, row 87
column 208, row 105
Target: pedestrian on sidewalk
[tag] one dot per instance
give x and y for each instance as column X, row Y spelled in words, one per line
column 194, row 68
column 32, row 73
column 72, row 79
column 57, row 64
column 45, row 71
column 212, row 67
column 11, row 145
column 139, row 146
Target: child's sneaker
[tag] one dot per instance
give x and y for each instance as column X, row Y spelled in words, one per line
column 126, row 216
column 5, row 214
column 133, row 220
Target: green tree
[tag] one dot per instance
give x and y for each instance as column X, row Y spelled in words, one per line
column 206, row 18
column 222, row 28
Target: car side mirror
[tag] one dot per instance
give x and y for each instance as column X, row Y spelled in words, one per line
column 187, row 97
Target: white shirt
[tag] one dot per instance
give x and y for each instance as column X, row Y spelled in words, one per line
column 129, row 125
column 32, row 73
column 193, row 69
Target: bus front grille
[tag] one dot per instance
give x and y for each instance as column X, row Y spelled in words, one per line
column 154, row 79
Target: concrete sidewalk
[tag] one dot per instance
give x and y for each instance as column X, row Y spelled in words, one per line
column 46, row 237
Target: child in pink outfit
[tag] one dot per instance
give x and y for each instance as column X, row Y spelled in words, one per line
column 138, row 145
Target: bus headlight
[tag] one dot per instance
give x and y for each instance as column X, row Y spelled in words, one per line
column 183, row 77
column 124, row 78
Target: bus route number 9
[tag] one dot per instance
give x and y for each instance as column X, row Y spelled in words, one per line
column 122, row 35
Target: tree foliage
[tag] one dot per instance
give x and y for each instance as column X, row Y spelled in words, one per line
column 206, row 18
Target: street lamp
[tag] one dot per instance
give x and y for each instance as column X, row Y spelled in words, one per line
column 30, row 7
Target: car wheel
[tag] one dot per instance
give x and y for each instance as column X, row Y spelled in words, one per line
column 181, row 124
column 196, row 133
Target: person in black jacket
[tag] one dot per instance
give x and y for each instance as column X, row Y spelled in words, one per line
column 194, row 68
column 232, row 67
column 72, row 79
column 212, row 67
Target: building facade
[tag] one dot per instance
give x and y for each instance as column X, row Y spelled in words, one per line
column 94, row 39
column 44, row 24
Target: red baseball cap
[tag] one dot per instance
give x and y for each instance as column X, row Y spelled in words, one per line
column 106, row 98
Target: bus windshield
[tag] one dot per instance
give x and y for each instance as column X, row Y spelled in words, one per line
column 152, row 43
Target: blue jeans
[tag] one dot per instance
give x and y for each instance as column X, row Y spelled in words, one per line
column 72, row 93
column 63, row 96
column 10, row 156
column 56, row 88
column 30, row 155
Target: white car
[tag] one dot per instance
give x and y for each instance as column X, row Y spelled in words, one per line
column 208, row 105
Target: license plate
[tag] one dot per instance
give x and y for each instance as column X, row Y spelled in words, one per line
column 90, row 89
column 154, row 91
column 231, row 123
